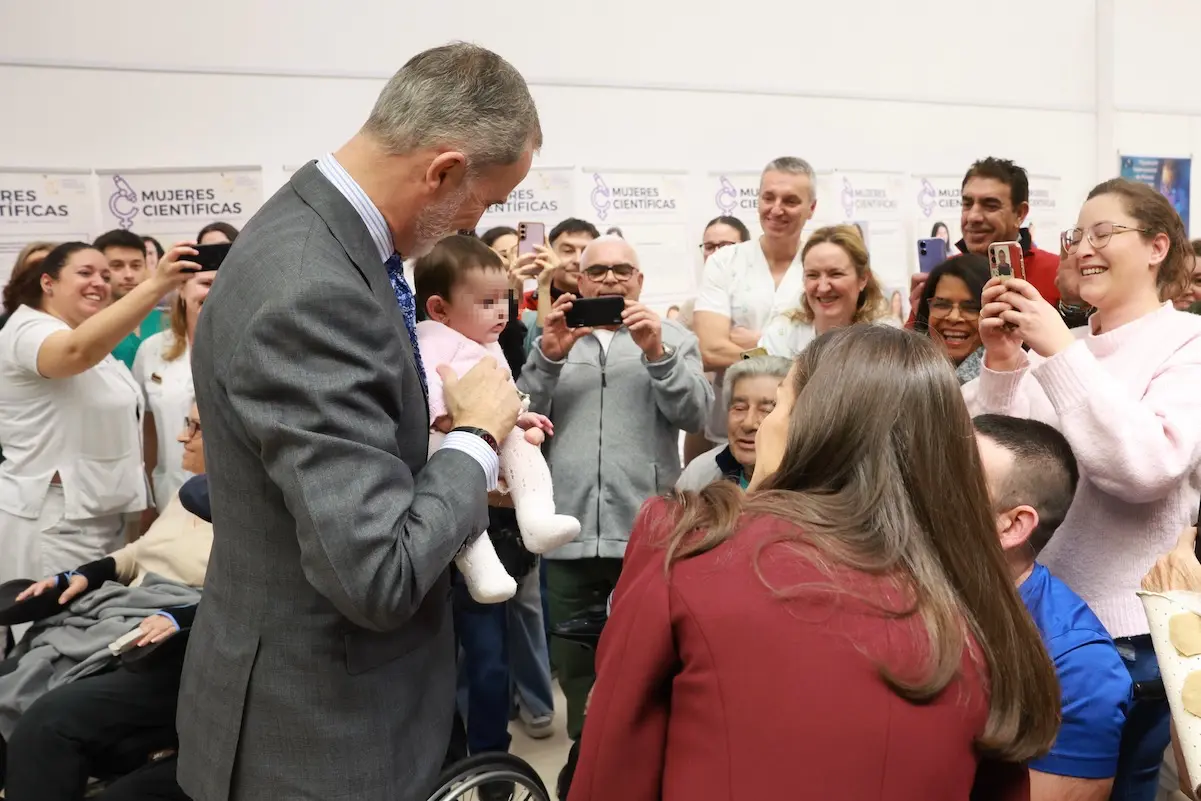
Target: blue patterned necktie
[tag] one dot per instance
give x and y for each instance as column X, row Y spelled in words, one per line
column 408, row 308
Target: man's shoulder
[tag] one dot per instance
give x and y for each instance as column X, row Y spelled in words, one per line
column 1068, row 624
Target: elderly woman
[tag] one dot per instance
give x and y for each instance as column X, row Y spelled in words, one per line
column 749, row 391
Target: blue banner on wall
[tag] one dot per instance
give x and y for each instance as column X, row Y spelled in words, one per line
column 1172, row 178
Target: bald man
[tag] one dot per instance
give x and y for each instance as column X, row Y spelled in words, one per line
column 619, row 397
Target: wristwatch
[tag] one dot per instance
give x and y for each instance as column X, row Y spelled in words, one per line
column 486, row 436
column 668, row 350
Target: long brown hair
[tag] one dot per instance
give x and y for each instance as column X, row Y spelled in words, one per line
column 1157, row 216
column 877, row 429
column 871, row 304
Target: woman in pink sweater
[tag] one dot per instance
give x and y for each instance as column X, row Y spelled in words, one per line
column 1126, row 392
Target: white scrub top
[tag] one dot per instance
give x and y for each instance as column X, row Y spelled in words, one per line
column 87, row 428
column 169, row 395
column 737, row 283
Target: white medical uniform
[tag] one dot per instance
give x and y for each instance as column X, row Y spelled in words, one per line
column 169, row 395
column 737, row 283
column 85, row 428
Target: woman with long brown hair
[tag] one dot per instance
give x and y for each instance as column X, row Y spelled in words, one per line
column 846, row 628
column 840, row 290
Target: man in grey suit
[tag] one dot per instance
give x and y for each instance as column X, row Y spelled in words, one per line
column 322, row 662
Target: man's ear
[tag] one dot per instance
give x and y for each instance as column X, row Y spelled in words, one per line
column 447, row 170
column 1015, row 526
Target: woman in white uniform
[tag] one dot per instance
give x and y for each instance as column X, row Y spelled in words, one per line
column 163, row 369
column 70, row 412
column 839, row 290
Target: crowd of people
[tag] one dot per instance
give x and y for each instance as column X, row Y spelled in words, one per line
column 834, row 553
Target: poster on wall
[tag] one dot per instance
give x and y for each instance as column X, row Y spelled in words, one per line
column 872, row 201
column 936, row 199
column 174, row 204
column 651, row 210
column 1171, row 177
column 1045, row 220
column 735, row 194
column 50, row 205
column 547, row 195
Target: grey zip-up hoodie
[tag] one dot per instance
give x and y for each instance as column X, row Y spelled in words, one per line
column 617, row 429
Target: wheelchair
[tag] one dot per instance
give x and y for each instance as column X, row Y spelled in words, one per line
column 585, row 631
column 463, row 779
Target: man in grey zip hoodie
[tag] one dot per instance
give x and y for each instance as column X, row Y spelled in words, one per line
column 619, row 398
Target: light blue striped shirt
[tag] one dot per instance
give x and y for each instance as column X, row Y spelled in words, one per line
column 377, row 226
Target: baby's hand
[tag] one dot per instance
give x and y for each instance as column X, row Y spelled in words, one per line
column 537, row 427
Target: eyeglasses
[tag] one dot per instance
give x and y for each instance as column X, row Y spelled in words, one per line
column 713, row 247
column 597, row 272
column 1098, row 235
column 191, row 426
column 941, row 307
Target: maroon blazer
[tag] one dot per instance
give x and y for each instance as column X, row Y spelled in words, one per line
column 710, row 685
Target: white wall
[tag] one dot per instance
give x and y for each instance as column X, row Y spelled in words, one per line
column 872, row 84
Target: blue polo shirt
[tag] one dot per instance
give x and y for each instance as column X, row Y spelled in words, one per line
column 1095, row 684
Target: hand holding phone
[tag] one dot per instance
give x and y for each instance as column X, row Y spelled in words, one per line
column 1005, row 260
column 930, row 253
column 530, row 236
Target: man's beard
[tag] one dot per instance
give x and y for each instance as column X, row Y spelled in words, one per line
column 436, row 223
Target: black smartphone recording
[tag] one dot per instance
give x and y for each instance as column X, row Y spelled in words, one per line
column 209, row 257
column 595, row 312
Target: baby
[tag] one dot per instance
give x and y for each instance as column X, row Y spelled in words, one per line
column 463, row 289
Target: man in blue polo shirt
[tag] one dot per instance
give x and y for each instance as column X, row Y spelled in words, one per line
column 1032, row 478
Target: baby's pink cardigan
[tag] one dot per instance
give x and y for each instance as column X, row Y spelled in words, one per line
column 441, row 345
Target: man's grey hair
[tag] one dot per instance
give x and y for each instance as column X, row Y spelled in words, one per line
column 754, row 367
column 791, row 165
column 458, row 95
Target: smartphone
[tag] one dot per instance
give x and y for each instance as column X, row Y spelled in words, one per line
column 753, row 352
column 596, row 312
column 529, row 235
column 930, row 254
column 1005, row 260
column 126, row 642
column 209, row 257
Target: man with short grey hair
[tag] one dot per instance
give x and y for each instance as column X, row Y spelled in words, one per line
column 745, row 285
column 322, row 661
column 749, row 391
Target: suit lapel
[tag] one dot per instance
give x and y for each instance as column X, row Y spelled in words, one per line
column 351, row 232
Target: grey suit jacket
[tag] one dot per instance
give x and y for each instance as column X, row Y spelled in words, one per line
column 322, row 662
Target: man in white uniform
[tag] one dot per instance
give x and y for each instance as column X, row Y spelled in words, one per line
column 745, row 285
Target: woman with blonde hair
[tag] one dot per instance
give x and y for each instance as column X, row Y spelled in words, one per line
column 840, row 290
column 846, row 626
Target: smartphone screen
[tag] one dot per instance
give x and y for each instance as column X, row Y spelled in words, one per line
column 1005, row 260
column 930, row 254
column 529, row 235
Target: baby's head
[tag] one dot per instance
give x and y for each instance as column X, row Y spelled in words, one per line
column 462, row 284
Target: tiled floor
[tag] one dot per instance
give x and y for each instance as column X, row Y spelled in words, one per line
column 546, row 756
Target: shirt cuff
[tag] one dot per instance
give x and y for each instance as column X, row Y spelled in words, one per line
column 477, row 449
column 169, row 616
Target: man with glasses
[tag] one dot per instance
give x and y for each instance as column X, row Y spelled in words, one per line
column 618, row 397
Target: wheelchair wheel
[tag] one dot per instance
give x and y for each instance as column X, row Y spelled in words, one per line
column 490, row 777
